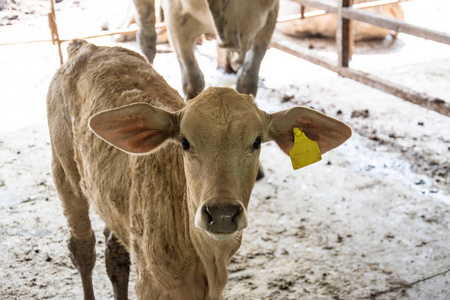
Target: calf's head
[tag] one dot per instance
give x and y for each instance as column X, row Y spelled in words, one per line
column 220, row 134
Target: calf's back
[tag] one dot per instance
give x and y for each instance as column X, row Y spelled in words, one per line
column 96, row 79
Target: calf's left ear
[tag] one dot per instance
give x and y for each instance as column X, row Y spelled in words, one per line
column 137, row 128
column 326, row 131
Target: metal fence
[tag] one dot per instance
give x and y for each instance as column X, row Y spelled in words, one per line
column 345, row 13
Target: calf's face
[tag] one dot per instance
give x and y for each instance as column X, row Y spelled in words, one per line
column 220, row 133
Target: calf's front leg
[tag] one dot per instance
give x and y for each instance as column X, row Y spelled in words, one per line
column 76, row 210
column 82, row 255
column 117, row 265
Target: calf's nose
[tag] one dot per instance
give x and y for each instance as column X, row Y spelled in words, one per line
column 222, row 219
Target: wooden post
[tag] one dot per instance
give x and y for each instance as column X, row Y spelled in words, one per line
column 302, row 11
column 54, row 30
column 344, row 35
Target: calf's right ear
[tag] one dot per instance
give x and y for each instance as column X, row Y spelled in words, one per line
column 137, row 128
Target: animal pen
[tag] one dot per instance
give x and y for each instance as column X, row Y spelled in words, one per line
column 368, row 222
column 345, row 12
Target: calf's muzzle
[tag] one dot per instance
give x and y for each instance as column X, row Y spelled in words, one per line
column 223, row 219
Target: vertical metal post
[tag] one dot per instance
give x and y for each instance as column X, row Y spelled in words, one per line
column 344, row 35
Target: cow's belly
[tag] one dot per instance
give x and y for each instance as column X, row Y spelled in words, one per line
column 197, row 9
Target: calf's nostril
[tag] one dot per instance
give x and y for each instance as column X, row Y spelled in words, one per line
column 209, row 217
column 237, row 214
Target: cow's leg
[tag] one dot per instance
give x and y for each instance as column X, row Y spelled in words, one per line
column 184, row 31
column 248, row 74
column 117, row 265
column 223, row 61
column 76, row 210
column 146, row 35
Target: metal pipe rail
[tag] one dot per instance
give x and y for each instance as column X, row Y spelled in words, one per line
column 344, row 39
column 317, row 13
column 377, row 20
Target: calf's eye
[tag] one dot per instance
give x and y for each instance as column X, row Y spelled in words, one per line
column 257, row 143
column 185, row 144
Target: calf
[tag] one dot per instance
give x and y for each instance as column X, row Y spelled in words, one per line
column 172, row 181
column 243, row 28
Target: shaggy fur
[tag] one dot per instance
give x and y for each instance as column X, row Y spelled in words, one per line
column 105, row 103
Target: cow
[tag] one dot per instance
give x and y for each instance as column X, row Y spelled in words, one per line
column 171, row 181
column 242, row 28
column 325, row 25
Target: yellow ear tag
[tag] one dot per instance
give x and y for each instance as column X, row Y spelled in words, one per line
column 305, row 151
